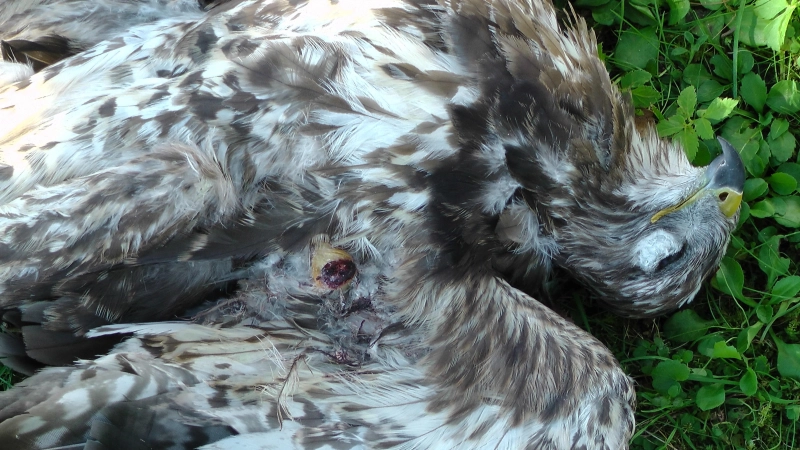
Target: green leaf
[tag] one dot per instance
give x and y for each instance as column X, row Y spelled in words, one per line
column 754, row 91
column 768, row 9
column 757, row 163
column 745, row 62
column 765, row 313
column 703, row 128
column 778, row 127
column 668, row 374
column 777, row 14
column 793, row 412
column 636, row 48
column 723, row 66
column 782, row 183
column 687, row 100
column 760, row 365
column 783, row 147
column 784, row 97
column 678, row 51
column 706, row 345
column 704, row 157
column 677, row 10
column 788, row 359
column 640, row 13
column 723, row 350
column 749, row 382
column 605, row 16
column 686, row 326
column 787, row 287
column 730, row 277
column 791, row 168
column 712, row 5
column 746, row 336
column 711, row 396
column 762, row 209
column 694, row 74
column 634, row 78
column 791, row 216
column 752, row 27
column 744, row 214
column 671, row 369
column 775, row 31
column 688, row 138
column 742, row 134
column 751, row 159
column 671, row 126
column 709, row 90
column 645, row 96
column 719, row 109
column 754, row 188
column 779, row 203
column 770, row 260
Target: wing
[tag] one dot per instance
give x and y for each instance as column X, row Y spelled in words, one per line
column 93, row 191
column 517, row 376
column 100, row 220
column 166, row 158
column 72, row 242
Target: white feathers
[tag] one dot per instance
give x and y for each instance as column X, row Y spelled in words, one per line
column 465, row 95
column 31, row 424
column 11, row 72
column 654, row 247
column 141, row 329
column 496, row 194
column 518, row 224
column 659, row 173
column 77, row 402
column 411, row 201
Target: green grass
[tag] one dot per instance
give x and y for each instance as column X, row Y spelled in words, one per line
column 6, row 378
column 723, row 373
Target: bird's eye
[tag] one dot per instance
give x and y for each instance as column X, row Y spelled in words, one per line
column 670, row 259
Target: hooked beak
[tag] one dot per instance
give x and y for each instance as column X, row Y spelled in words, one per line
column 724, row 179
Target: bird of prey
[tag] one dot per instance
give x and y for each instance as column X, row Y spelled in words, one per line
column 454, row 151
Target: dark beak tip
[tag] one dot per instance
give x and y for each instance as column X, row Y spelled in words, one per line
column 728, row 167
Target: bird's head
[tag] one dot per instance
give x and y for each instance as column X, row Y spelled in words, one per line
column 644, row 230
column 619, row 208
column 663, row 230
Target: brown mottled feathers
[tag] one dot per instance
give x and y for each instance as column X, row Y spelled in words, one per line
column 456, row 150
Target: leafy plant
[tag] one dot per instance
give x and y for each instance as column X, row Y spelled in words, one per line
column 688, row 130
column 725, row 372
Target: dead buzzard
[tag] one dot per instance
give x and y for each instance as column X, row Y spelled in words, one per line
column 459, row 150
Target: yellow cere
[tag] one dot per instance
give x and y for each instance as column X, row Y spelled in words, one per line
column 729, row 201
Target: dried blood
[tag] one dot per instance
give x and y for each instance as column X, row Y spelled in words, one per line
column 334, row 274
